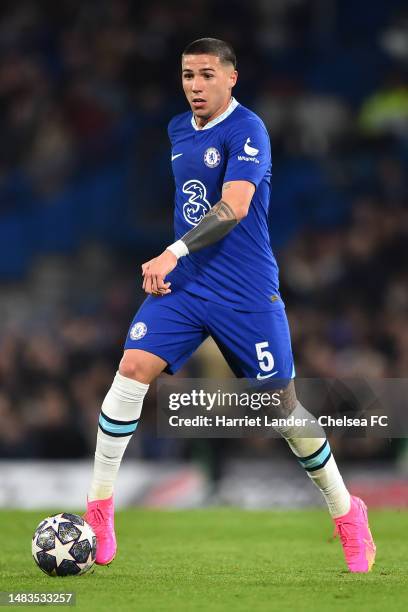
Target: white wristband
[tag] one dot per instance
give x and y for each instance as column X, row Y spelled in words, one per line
column 178, row 249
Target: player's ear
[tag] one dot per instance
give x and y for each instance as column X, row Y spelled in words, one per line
column 233, row 78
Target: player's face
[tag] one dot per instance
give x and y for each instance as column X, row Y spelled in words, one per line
column 207, row 83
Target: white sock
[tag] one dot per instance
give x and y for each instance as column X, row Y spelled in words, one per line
column 315, row 456
column 118, row 420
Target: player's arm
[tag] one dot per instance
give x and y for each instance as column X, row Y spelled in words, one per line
column 215, row 225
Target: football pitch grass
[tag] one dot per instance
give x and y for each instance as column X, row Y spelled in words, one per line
column 220, row 560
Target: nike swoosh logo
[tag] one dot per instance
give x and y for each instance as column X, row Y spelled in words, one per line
column 262, row 376
column 173, row 157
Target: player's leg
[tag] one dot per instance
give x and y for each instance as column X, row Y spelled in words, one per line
column 257, row 346
column 314, row 455
column 118, row 420
column 163, row 334
column 119, row 417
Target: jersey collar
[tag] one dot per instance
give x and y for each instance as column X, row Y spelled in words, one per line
column 232, row 106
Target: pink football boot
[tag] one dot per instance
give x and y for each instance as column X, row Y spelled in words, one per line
column 100, row 516
column 355, row 535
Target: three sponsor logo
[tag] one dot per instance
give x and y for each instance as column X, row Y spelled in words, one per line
column 197, row 205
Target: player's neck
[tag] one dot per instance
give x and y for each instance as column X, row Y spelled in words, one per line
column 202, row 121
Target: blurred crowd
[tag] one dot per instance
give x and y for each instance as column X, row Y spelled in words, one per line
column 70, row 71
column 78, row 79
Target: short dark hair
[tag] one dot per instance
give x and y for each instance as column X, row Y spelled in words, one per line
column 212, row 46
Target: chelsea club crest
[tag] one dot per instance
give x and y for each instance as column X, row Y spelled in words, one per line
column 138, row 330
column 212, row 157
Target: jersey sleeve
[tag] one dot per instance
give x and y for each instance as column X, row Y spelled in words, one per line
column 249, row 152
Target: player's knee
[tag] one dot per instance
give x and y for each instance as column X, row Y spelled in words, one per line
column 134, row 368
column 288, row 400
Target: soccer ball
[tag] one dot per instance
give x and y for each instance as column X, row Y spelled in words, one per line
column 64, row 545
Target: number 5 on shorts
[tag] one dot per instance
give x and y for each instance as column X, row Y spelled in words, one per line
column 265, row 358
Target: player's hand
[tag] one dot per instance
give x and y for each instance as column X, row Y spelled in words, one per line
column 154, row 272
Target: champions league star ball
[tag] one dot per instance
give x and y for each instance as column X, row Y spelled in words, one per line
column 64, row 545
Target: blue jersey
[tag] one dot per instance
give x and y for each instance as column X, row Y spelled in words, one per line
column 239, row 271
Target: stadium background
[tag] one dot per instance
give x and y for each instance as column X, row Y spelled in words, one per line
column 86, row 91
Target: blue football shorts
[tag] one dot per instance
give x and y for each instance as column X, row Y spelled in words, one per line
column 255, row 344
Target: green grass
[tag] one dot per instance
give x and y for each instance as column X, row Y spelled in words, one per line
column 221, row 560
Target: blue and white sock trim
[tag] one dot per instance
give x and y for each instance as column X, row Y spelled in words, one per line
column 117, row 429
column 318, row 459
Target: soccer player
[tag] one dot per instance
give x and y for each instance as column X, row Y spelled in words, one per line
column 218, row 278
